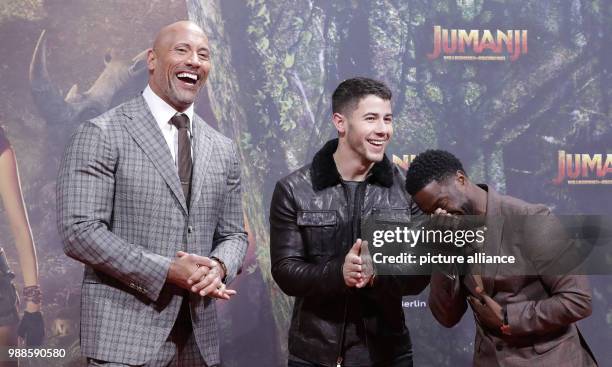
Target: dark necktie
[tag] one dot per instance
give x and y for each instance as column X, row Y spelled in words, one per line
column 181, row 121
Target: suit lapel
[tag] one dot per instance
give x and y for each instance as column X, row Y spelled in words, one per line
column 143, row 128
column 494, row 237
column 202, row 149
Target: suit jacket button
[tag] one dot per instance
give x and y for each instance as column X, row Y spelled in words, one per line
column 499, row 346
column 190, row 229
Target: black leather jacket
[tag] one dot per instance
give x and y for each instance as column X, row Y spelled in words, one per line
column 310, row 234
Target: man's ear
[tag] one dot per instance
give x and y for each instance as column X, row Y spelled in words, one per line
column 339, row 122
column 461, row 178
column 151, row 58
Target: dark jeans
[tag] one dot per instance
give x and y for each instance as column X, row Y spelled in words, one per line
column 401, row 361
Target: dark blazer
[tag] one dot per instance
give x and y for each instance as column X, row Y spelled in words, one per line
column 541, row 309
column 122, row 212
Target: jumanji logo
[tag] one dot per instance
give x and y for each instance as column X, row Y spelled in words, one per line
column 584, row 169
column 478, row 45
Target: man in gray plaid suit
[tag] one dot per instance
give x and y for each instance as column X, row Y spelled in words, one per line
column 152, row 207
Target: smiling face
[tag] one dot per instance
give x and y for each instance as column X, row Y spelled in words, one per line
column 179, row 64
column 367, row 129
column 449, row 194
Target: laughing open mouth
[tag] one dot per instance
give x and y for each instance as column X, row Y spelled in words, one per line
column 378, row 143
column 188, row 78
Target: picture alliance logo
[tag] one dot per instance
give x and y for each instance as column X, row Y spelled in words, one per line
column 583, row 169
column 478, row 45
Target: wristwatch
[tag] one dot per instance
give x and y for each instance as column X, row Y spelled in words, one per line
column 223, row 267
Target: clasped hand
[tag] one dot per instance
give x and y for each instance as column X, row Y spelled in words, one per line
column 488, row 312
column 353, row 269
column 200, row 275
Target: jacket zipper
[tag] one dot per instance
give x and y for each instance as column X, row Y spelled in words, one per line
column 355, row 221
column 360, row 194
column 341, row 342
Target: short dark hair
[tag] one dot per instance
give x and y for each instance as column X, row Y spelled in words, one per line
column 348, row 94
column 429, row 166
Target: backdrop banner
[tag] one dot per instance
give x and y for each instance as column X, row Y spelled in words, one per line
column 518, row 90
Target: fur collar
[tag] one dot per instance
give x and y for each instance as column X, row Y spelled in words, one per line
column 324, row 173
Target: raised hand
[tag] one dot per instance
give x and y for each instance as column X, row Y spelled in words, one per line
column 352, row 269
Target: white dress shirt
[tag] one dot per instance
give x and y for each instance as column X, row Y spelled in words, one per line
column 163, row 112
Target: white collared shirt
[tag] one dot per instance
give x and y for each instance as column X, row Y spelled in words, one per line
column 163, row 112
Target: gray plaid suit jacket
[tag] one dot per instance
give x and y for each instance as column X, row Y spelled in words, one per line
column 122, row 212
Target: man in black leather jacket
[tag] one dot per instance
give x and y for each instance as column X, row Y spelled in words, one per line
column 341, row 315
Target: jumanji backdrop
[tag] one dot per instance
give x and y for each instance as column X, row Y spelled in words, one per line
column 518, row 89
